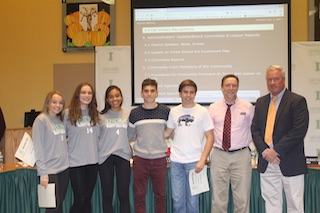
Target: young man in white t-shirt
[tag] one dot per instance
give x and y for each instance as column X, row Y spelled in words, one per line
column 190, row 123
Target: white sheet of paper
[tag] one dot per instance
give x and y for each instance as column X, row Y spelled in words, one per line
column 198, row 181
column 25, row 151
column 47, row 196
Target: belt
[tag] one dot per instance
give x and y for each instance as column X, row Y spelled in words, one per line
column 234, row 150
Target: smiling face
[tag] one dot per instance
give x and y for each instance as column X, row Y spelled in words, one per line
column 229, row 89
column 275, row 81
column 85, row 96
column 55, row 105
column 114, row 99
column 149, row 94
column 187, row 95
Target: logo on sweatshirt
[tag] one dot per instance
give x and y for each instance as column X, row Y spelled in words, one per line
column 117, row 123
column 58, row 129
column 84, row 121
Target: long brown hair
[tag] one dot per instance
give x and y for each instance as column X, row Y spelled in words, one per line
column 75, row 112
column 47, row 101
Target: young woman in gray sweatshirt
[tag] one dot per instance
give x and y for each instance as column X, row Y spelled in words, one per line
column 50, row 146
column 114, row 151
column 82, row 125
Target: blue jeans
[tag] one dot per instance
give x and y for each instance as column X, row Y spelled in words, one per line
column 183, row 201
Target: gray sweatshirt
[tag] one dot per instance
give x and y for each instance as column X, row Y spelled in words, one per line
column 113, row 135
column 50, row 145
column 82, row 140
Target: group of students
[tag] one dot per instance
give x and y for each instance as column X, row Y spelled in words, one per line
column 98, row 143
column 79, row 142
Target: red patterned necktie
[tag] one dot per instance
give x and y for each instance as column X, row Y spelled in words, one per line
column 226, row 140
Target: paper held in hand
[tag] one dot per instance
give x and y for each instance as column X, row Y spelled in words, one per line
column 25, row 151
column 47, row 196
column 198, row 181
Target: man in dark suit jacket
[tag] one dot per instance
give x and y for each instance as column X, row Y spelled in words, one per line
column 281, row 164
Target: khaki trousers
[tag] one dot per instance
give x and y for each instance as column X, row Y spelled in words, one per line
column 234, row 168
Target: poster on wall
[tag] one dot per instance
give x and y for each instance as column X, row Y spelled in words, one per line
column 86, row 24
column 306, row 82
column 113, row 67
